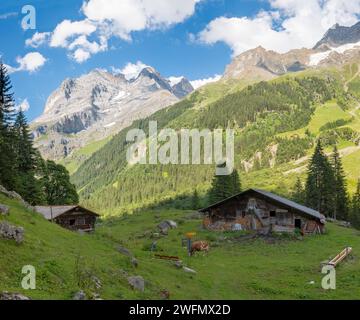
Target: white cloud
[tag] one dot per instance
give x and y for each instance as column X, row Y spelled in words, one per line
column 107, row 18
column 31, row 62
column 38, row 39
column 201, row 82
column 125, row 16
column 132, row 70
column 23, row 106
column 80, row 55
column 290, row 24
column 68, row 29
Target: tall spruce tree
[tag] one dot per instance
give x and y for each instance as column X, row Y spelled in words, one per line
column 298, row 194
column 26, row 159
column 7, row 157
column 224, row 187
column 320, row 183
column 340, row 196
column 23, row 144
column 355, row 208
column 195, row 200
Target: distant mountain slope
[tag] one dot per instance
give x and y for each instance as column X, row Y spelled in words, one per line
column 98, row 105
column 259, row 113
column 338, row 36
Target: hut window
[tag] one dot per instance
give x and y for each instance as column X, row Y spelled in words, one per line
column 243, row 214
column 272, row 214
column 72, row 222
column 80, row 221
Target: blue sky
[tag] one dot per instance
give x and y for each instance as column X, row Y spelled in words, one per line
column 191, row 38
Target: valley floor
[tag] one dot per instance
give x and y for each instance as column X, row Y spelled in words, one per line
column 235, row 268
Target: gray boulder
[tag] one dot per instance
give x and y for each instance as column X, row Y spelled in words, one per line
column 172, row 224
column 124, row 251
column 137, row 283
column 12, row 296
column 7, row 231
column 4, row 210
column 79, row 295
column 164, row 227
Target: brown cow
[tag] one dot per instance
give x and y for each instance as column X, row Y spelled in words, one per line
column 199, row 246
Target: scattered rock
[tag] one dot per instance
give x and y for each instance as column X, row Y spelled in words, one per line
column 178, row 264
column 97, row 282
column 4, row 210
column 16, row 196
column 134, row 262
column 137, row 283
column 96, row 296
column 10, row 232
column 155, row 235
column 80, row 295
column 164, row 227
column 12, row 296
column 124, row 251
column 172, row 224
column 165, row 294
column 188, row 270
column 345, row 224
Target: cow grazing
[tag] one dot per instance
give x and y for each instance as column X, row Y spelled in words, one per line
column 199, row 246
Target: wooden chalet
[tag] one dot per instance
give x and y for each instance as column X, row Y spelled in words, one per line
column 264, row 212
column 74, row 218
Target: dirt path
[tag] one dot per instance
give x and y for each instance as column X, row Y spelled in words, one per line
column 353, row 112
column 343, row 153
column 346, row 85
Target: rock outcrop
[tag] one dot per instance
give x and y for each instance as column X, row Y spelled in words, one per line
column 12, row 296
column 100, row 104
column 10, row 232
column 137, row 283
column 4, row 210
column 16, row 196
column 338, row 36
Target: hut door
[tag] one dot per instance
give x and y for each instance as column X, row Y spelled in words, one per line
column 298, row 224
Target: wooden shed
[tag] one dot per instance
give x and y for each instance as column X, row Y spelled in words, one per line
column 264, row 212
column 75, row 218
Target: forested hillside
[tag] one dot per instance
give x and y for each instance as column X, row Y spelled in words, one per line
column 22, row 169
column 277, row 124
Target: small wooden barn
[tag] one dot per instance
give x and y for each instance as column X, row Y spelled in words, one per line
column 75, row 218
column 264, row 212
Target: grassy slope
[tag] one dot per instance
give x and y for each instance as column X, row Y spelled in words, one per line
column 75, row 160
column 54, row 252
column 232, row 270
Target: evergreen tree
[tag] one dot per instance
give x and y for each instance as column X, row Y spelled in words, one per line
column 224, row 187
column 7, row 158
column 57, row 186
column 195, row 201
column 26, row 159
column 340, row 196
column 23, row 144
column 298, row 194
column 319, row 189
column 235, row 182
column 355, row 208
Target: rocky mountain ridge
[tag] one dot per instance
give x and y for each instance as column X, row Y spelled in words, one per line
column 99, row 104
